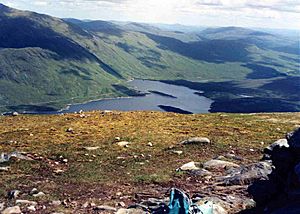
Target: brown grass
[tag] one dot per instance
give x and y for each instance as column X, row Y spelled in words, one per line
column 98, row 175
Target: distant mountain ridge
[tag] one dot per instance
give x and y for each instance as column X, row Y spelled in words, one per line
column 50, row 62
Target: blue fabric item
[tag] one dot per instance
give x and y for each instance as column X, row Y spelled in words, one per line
column 179, row 202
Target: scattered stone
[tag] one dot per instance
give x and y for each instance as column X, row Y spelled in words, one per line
column 178, row 152
column 15, row 114
column 196, row 140
column 85, row 205
column 219, row 164
column 13, row 194
column 122, row 204
column 12, row 210
column 106, row 208
column 26, row 202
column 130, row 211
column 189, row 166
column 4, row 169
column 40, row 194
column 31, row 208
column 34, row 191
column 65, row 160
column 2, row 206
column 123, row 143
column 71, row 130
column 201, row 173
column 55, row 203
column 117, row 138
column 150, row 144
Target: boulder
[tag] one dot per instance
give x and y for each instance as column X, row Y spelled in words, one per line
column 219, row 164
column 246, row 175
column 293, row 139
column 12, row 210
column 196, row 140
column 277, row 144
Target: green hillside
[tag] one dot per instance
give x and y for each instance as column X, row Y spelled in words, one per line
column 50, row 62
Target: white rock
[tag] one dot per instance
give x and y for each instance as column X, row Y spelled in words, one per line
column 178, row 152
column 91, row 148
column 55, row 203
column 106, row 208
column 149, row 144
column 26, row 202
column 4, row 169
column 31, row 208
column 34, row 191
column 219, row 164
column 196, row 140
column 2, row 206
column 12, row 210
column 189, row 166
column 123, row 143
column 40, row 194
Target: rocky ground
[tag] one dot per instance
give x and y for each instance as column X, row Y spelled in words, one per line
column 104, row 162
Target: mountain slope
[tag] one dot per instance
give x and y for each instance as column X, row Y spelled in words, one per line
column 49, row 62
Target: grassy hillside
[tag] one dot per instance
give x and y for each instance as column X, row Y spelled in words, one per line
column 99, row 175
column 49, row 62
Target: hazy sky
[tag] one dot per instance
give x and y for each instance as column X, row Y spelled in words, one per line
column 246, row 13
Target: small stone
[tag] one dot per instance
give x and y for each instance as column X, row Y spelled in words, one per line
column 251, row 150
column 12, row 210
column 31, row 208
column 119, row 194
column 58, row 171
column 196, row 140
column 2, row 206
column 70, row 130
column 117, row 138
column 91, row 148
column 122, row 204
column 40, row 194
column 130, row 211
column 26, row 202
column 85, row 205
column 106, row 208
column 189, row 166
column 178, row 152
column 15, row 114
column 56, row 203
column 123, row 143
column 150, row 144
column 4, row 169
column 34, row 191
column 65, row 160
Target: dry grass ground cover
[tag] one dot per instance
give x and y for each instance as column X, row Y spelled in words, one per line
column 65, row 169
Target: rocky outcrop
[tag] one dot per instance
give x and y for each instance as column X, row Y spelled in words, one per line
column 280, row 191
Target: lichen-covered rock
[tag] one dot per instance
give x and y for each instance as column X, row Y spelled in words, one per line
column 246, row 175
column 196, row 140
column 219, row 164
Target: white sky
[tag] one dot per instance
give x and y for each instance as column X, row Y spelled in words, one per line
column 244, row 13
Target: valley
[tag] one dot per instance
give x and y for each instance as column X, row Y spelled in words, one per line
column 47, row 63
